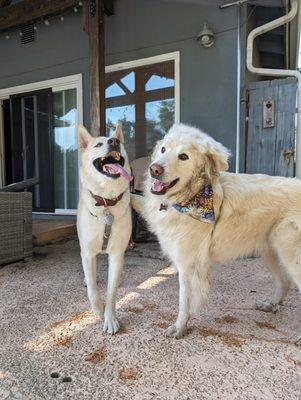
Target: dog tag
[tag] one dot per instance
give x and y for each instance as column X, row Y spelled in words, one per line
column 108, row 218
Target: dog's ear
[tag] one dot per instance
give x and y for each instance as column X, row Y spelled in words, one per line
column 84, row 137
column 118, row 134
column 217, row 156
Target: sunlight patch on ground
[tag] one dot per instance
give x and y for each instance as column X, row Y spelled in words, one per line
column 127, row 298
column 61, row 333
column 170, row 270
column 151, row 282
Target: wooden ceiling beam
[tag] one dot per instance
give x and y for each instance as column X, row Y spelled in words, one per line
column 30, row 11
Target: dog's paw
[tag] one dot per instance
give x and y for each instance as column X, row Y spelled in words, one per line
column 267, row 306
column 175, row 332
column 298, row 342
column 111, row 325
column 98, row 308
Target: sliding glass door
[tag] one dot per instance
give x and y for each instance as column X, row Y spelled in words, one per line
column 30, row 137
column 65, row 149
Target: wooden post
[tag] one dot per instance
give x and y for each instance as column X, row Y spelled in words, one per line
column 97, row 67
column 140, row 134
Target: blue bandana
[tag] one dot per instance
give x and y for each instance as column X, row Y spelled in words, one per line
column 200, row 207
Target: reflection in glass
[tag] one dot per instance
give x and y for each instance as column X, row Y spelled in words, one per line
column 129, row 81
column 114, row 91
column 142, row 100
column 159, row 82
column 126, row 116
column 65, row 149
column 160, row 116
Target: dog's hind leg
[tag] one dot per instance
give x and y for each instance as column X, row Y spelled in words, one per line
column 89, row 266
column 287, row 243
column 111, row 324
column 281, row 282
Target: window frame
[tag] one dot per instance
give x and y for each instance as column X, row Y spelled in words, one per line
column 174, row 56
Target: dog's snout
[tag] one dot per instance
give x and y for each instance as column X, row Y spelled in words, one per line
column 156, row 170
column 113, row 142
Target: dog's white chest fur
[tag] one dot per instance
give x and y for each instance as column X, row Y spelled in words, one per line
column 91, row 226
column 105, row 174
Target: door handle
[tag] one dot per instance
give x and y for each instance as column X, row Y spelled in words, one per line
column 287, row 155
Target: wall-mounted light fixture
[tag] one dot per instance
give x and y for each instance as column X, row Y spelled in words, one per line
column 206, row 36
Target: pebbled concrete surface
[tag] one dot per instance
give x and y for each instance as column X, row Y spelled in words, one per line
column 52, row 347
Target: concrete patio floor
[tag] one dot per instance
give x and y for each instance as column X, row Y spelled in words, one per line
column 52, row 347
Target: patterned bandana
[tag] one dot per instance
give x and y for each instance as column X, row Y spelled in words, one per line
column 200, row 207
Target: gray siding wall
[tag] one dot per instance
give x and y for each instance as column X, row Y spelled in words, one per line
column 138, row 29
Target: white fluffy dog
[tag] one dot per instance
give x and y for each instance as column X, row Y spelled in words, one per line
column 104, row 215
column 203, row 215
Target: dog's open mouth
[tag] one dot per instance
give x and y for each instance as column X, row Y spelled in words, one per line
column 112, row 165
column 159, row 187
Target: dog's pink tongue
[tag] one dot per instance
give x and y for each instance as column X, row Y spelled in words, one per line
column 157, row 186
column 118, row 169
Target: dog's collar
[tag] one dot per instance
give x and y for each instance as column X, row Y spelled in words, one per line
column 199, row 207
column 101, row 201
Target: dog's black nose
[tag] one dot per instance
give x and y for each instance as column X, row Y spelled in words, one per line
column 114, row 142
column 156, row 170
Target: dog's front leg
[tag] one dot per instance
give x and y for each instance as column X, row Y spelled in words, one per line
column 89, row 266
column 111, row 324
column 179, row 328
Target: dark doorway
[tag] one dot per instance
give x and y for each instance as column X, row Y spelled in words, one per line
column 29, row 140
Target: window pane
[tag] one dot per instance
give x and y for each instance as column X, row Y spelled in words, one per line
column 159, row 82
column 126, row 116
column 129, row 81
column 114, row 90
column 65, row 149
column 160, row 116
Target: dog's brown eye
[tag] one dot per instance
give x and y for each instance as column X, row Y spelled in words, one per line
column 99, row 144
column 163, row 150
column 183, row 156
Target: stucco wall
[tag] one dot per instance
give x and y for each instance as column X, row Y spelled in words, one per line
column 142, row 28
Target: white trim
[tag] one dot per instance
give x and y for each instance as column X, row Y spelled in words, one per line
column 58, row 211
column 56, row 84
column 61, row 211
column 174, row 56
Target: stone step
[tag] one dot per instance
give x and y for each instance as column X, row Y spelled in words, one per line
column 45, row 231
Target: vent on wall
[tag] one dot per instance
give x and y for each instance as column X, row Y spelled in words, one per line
column 28, row 34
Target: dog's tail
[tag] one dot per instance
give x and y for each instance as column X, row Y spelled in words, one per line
column 199, row 284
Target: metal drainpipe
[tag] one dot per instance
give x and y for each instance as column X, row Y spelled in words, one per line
column 238, row 4
column 238, row 82
column 279, row 72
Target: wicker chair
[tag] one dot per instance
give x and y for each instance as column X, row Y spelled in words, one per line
column 15, row 225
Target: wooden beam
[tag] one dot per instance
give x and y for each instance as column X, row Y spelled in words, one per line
column 30, row 11
column 86, row 16
column 97, row 67
column 140, row 98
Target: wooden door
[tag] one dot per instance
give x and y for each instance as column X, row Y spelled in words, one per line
column 270, row 142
